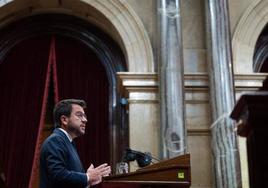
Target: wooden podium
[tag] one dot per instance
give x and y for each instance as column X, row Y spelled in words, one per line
column 251, row 114
column 175, row 172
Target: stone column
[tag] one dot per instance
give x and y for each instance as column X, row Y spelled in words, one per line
column 224, row 139
column 171, row 76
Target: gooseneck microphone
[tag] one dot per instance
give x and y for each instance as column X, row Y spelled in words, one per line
column 143, row 159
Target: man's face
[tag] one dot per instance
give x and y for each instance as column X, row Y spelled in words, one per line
column 76, row 123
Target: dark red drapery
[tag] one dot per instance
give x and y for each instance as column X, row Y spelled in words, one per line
column 22, row 90
column 38, row 143
column 81, row 75
column 24, row 80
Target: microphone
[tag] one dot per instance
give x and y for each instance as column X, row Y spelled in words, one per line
column 143, row 159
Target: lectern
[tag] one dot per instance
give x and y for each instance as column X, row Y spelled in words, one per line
column 251, row 114
column 175, row 172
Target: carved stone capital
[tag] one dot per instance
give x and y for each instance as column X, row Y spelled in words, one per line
column 138, row 87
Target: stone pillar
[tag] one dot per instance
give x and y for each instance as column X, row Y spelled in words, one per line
column 171, row 76
column 226, row 164
column 141, row 91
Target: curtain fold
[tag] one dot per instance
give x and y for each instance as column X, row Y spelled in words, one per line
column 54, row 67
column 22, row 87
column 35, row 166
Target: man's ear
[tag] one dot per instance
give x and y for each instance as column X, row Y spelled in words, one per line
column 64, row 120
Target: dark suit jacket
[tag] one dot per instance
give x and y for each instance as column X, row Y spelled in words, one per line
column 60, row 166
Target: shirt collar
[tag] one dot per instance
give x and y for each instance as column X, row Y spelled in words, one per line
column 68, row 136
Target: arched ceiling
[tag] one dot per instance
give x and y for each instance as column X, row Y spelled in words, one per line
column 116, row 18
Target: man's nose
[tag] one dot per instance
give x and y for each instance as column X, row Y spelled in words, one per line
column 84, row 119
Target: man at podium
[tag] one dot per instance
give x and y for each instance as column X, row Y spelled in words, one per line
column 60, row 165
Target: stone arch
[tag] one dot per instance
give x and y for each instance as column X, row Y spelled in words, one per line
column 246, row 35
column 116, row 18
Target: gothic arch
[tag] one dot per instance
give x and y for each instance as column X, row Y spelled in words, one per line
column 114, row 17
column 246, row 35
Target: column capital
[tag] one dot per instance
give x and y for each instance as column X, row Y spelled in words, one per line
column 137, row 82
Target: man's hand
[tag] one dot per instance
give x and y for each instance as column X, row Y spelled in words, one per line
column 95, row 174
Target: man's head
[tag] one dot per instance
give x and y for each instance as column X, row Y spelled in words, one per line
column 69, row 114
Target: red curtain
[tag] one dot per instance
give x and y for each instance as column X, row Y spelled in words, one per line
column 38, row 144
column 23, row 81
column 81, row 75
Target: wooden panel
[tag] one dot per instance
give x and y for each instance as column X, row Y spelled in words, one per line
column 174, row 172
column 251, row 114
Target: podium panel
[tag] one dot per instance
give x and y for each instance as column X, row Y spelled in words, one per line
column 171, row 173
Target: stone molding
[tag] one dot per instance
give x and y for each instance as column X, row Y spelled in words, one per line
column 115, row 17
column 140, row 87
column 246, row 34
column 148, row 82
